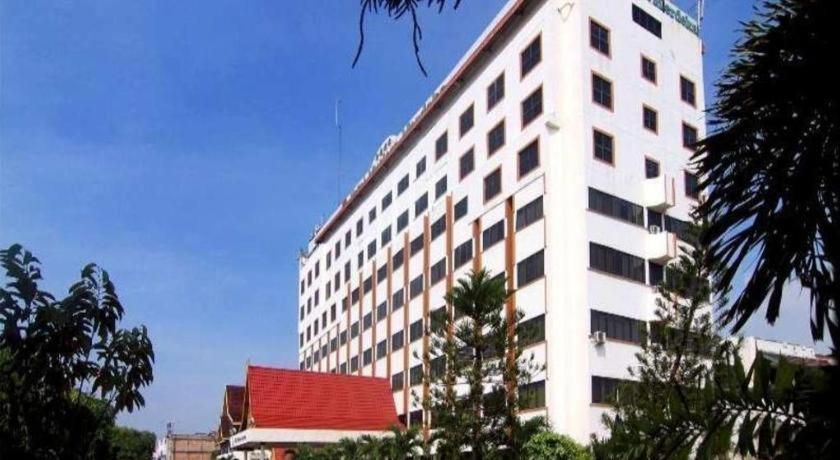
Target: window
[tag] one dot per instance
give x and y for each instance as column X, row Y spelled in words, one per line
column 599, row 37
column 329, row 260
column 602, row 91
column 602, row 145
column 605, row 389
column 616, row 207
column 530, row 56
column 615, row 262
column 360, row 225
column 397, row 341
column 347, row 238
column 493, row 184
column 342, row 338
column 438, row 318
column 361, row 259
column 650, row 119
column 302, row 312
column 438, row 227
column 616, row 327
column 416, row 245
column 496, row 138
column 421, row 204
column 466, row 164
column 367, row 321
column 649, row 70
column 354, row 364
column 681, row 228
column 416, row 330
column 466, row 120
column 651, row 168
column 397, row 381
column 367, row 357
column 530, row 213
column 386, row 201
column 496, row 91
column 461, row 208
column 301, row 339
column 333, row 344
column 532, row 107
column 337, row 280
column 493, row 234
column 372, row 215
column 332, row 312
column 689, row 135
column 692, row 188
column 438, row 271
column 402, row 185
column 648, row 22
column 416, row 378
column 440, row 187
column 530, row 269
column 371, row 249
column 337, row 250
column 656, row 273
column 532, row 395
column 381, row 349
column 529, row 158
column 441, row 146
column 343, row 368
column 354, row 330
column 415, row 288
column 386, row 236
column 398, row 259
column 402, row 221
column 381, row 311
column 463, row 254
column 421, row 167
column 687, row 93
column 531, row 331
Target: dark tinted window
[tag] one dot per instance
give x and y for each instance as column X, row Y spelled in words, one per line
column 461, row 208
column 531, row 331
column 692, row 189
column 648, row 22
column 530, row 269
column 493, row 234
column 648, row 70
column 466, row 164
column 532, row 107
column 466, row 120
column 616, row 207
column 438, row 271
column 438, row 227
column 616, row 263
column 440, row 187
column 492, row 184
column 599, row 37
column 496, row 91
column 650, row 119
column 421, row 167
column 462, row 254
column 402, row 221
column 617, row 327
column 687, row 91
column 601, row 91
column 529, row 158
column 496, row 138
column 441, row 146
column 529, row 213
column 402, row 185
column 602, row 146
column 421, row 204
column 530, row 56
column 651, row 168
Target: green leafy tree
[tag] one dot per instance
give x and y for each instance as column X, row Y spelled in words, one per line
column 771, row 176
column 130, row 444
column 693, row 396
column 548, row 445
column 475, row 349
column 67, row 367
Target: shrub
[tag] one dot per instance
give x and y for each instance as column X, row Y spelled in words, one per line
column 548, row 445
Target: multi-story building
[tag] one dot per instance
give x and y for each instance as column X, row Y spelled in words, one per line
column 556, row 152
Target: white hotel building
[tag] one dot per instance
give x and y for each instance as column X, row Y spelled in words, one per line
column 556, row 152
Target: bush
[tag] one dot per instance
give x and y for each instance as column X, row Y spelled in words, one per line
column 548, row 445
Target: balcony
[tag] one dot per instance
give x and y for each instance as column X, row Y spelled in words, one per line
column 660, row 193
column 661, row 246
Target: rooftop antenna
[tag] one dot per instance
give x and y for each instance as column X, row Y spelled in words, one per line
column 338, row 171
column 700, row 9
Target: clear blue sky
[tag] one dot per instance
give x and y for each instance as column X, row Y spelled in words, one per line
column 188, row 147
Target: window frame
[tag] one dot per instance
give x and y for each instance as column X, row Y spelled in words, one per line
column 645, row 109
column 611, row 105
column 525, row 72
column 642, row 60
column 519, row 172
column 498, row 171
column 613, row 149
column 608, row 53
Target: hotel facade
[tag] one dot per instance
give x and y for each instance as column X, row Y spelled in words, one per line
column 556, row 152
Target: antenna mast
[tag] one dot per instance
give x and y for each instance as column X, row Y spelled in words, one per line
column 700, row 10
column 338, row 171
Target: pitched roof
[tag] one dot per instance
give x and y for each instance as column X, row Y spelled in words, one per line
column 234, row 395
column 284, row 398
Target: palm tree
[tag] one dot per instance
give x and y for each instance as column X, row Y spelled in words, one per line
column 771, row 167
column 402, row 444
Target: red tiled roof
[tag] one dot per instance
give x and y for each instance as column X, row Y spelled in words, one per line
column 235, row 394
column 283, row 398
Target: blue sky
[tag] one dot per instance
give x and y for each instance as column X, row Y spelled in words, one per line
column 188, row 147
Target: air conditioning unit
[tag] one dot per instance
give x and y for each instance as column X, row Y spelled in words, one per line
column 599, row 337
column 654, row 230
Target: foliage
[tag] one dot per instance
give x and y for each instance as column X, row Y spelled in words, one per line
column 475, row 352
column 130, row 444
column 554, row 446
column 67, row 368
column 397, row 9
column 400, row 444
column 771, row 167
column 694, row 398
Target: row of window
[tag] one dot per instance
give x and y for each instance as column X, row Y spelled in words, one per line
column 532, row 107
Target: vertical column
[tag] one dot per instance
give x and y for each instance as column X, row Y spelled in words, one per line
column 388, row 301
column 373, row 318
column 361, row 319
column 406, row 342
column 427, row 243
column 510, row 267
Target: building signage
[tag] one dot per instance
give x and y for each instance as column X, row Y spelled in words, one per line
column 677, row 15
